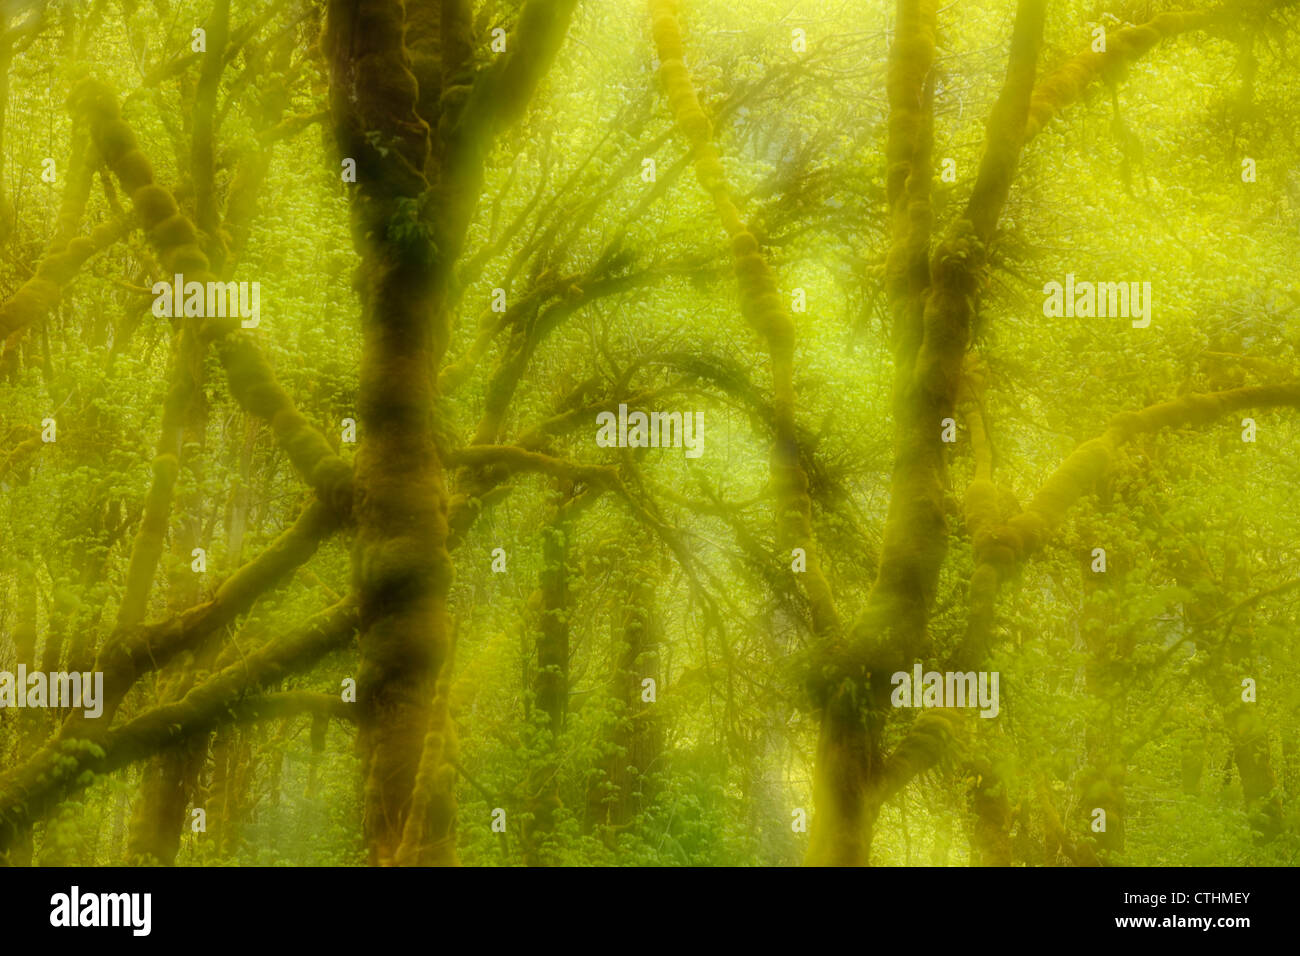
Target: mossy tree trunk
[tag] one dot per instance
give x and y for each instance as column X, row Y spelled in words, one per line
column 419, row 156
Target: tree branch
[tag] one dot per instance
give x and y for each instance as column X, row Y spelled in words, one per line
column 71, row 760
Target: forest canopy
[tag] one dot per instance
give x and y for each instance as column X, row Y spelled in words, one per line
column 683, row 432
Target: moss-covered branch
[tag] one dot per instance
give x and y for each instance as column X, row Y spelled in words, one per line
column 999, row 549
column 915, row 532
column 910, row 88
column 36, row 298
column 849, row 680
column 1066, row 85
column 22, row 450
column 502, row 92
column 515, row 459
column 72, row 759
column 763, row 308
column 130, row 652
column 1006, row 131
column 176, row 241
column 203, row 138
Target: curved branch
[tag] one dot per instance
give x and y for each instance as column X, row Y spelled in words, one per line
column 39, row 296
column 252, row 381
column 130, row 653
column 1001, row 548
column 72, row 759
column 514, row 458
column 1068, row 82
column 763, row 308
